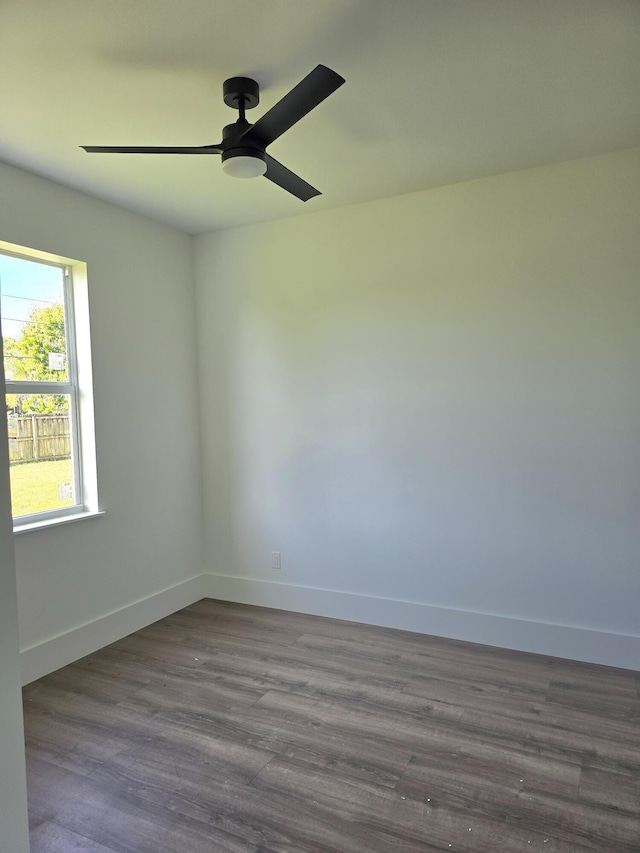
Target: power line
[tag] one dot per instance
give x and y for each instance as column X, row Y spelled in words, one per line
column 35, row 322
column 31, row 299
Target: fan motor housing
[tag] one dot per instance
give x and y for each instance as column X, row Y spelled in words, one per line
column 241, row 90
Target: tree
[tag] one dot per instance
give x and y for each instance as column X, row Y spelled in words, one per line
column 13, row 367
column 43, row 334
column 28, row 358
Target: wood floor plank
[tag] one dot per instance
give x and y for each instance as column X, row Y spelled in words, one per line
column 421, row 658
column 298, row 736
column 279, row 668
column 387, row 819
column 612, row 704
column 347, row 719
column 227, row 728
column 51, row 838
column 611, row 790
column 200, row 797
column 602, row 828
column 489, row 772
column 123, row 816
column 545, row 738
column 166, row 651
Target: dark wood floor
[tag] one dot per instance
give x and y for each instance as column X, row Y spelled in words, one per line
column 234, row 729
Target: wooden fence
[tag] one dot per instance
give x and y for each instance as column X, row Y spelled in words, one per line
column 35, row 438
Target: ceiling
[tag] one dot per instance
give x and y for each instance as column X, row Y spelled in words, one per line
column 437, row 92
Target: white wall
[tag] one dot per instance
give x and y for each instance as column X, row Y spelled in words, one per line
column 142, row 324
column 429, row 404
column 434, row 399
column 13, row 787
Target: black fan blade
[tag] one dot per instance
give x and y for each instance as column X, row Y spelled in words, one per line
column 289, row 181
column 310, row 92
column 140, row 149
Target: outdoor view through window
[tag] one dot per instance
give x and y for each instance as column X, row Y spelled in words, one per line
column 37, row 326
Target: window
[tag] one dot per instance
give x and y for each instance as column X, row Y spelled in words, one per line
column 48, row 392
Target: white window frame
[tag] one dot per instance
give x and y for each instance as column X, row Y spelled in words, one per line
column 78, row 386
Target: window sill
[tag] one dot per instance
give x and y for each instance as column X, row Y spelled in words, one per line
column 55, row 522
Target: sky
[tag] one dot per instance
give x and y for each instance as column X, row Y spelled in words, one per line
column 23, row 285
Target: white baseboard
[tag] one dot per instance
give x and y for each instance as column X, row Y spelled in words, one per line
column 555, row 640
column 560, row 641
column 50, row 655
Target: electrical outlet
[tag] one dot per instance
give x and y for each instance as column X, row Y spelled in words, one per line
column 276, row 562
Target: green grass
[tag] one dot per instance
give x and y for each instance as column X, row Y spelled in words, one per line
column 34, row 486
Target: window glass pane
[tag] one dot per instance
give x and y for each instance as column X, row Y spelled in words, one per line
column 40, row 453
column 33, row 320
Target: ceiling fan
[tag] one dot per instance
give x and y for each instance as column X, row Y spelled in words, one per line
column 243, row 146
